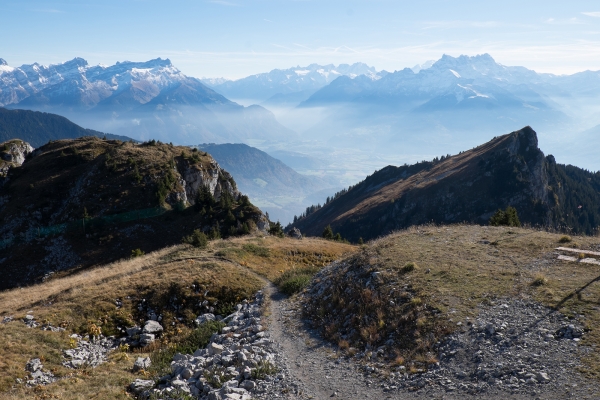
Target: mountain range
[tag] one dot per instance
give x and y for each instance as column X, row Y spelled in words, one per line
column 292, row 85
column 143, row 100
column 509, row 170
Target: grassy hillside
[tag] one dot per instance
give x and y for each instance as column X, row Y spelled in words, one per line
column 417, row 285
column 174, row 281
column 88, row 201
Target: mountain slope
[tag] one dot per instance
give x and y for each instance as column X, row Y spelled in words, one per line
column 468, row 187
column 38, row 128
column 144, row 100
column 78, row 203
column 270, row 184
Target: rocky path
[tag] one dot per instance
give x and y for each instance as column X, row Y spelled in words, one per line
column 486, row 365
column 313, row 365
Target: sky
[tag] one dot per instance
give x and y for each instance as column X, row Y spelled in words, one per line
column 237, row 38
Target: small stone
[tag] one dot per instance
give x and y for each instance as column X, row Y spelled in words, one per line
column 248, row 385
column 214, row 348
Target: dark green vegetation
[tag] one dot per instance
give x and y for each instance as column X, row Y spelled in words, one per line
column 198, row 338
column 509, row 170
column 508, row 217
column 38, row 128
column 89, row 201
column 294, row 280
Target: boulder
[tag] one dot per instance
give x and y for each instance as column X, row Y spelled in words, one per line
column 295, row 233
column 140, row 385
column 152, row 327
column 204, row 318
column 146, row 339
column 141, row 363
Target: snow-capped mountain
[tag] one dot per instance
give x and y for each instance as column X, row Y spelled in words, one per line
column 296, row 80
column 143, row 100
column 455, row 101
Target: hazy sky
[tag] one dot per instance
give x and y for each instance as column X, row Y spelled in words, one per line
column 236, row 38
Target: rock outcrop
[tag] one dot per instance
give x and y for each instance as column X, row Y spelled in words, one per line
column 12, row 154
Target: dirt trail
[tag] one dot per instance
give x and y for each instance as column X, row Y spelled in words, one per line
column 314, row 366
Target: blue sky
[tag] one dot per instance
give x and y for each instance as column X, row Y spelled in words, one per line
column 236, row 38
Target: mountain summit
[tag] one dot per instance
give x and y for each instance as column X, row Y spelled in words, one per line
column 509, row 170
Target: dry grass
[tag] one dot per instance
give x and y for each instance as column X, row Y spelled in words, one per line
column 80, row 301
column 87, row 299
column 462, row 266
column 283, row 254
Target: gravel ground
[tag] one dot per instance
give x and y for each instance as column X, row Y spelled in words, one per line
column 514, row 350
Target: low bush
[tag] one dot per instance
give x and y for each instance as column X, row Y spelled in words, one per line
column 507, row 217
column 294, row 280
column 565, row 239
column 197, row 239
column 409, row 267
column 137, row 253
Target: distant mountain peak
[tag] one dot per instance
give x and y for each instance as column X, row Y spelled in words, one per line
column 3, row 61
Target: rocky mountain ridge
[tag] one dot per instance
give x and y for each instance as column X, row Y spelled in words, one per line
column 77, row 203
column 468, row 187
column 12, row 154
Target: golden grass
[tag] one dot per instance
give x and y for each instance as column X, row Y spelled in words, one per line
column 461, row 266
column 86, row 299
column 284, row 254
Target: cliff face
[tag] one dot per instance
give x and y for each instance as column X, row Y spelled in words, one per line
column 12, row 154
column 77, row 203
column 468, row 187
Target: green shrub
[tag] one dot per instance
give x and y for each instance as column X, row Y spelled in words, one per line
column 295, row 280
column 507, row 217
column 256, row 250
column 565, row 239
column 295, row 284
column 328, row 233
column 137, row 253
column 276, row 229
column 409, row 267
column 197, row 239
